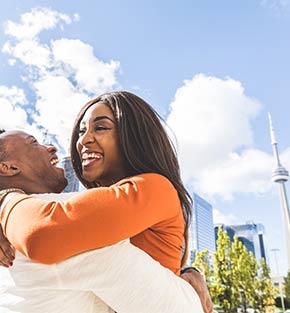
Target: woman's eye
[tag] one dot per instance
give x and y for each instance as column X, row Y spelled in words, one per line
column 99, row 128
column 81, row 131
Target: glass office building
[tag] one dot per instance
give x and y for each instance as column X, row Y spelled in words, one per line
column 201, row 229
column 252, row 235
column 73, row 182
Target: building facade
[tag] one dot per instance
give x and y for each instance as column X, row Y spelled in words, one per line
column 73, row 182
column 252, row 235
column 201, row 229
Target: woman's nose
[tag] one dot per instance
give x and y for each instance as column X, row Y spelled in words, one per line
column 86, row 138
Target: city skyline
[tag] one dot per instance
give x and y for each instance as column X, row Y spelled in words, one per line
column 212, row 70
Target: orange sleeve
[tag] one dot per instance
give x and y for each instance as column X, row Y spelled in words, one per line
column 49, row 231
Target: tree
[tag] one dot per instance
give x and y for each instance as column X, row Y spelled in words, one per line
column 237, row 280
column 224, row 291
column 287, row 286
column 265, row 291
column 244, row 271
column 204, row 263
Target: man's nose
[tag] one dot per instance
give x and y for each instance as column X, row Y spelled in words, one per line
column 51, row 148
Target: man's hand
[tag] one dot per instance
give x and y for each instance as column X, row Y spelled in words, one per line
column 197, row 281
column 7, row 252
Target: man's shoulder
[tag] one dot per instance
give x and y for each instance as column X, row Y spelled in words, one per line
column 55, row 196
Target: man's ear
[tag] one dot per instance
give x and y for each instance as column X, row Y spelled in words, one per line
column 8, row 169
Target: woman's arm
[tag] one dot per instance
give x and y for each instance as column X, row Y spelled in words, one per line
column 51, row 231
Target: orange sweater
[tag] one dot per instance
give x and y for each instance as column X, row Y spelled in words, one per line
column 144, row 208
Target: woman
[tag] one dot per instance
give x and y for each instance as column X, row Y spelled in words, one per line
column 118, row 144
column 138, row 144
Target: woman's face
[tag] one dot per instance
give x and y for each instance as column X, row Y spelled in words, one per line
column 98, row 146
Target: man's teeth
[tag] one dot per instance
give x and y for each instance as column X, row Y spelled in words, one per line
column 92, row 155
column 54, row 161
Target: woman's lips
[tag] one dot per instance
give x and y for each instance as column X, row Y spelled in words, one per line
column 90, row 158
column 90, row 162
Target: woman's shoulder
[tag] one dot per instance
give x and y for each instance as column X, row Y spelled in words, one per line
column 147, row 178
column 151, row 181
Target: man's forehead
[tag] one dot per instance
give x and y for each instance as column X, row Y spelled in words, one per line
column 15, row 134
column 10, row 137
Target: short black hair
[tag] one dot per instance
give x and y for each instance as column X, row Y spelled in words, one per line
column 2, row 146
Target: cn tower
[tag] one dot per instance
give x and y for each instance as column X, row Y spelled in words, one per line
column 280, row 175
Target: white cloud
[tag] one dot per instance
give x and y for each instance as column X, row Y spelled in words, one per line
column 279, row 7
column 62, row 73
column 12, row 115
column 90, row 73
column 221, row 218
column 30, row 52
column 8, row 111
column 211, row 119
column 35, row 21
column 247, row 172
column 14, row 95
column 57, row 106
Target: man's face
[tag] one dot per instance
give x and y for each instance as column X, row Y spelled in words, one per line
column 36, row 162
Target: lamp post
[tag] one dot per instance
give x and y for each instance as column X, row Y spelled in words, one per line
column 279, row 278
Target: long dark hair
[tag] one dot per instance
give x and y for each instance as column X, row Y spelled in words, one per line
column 144, row 144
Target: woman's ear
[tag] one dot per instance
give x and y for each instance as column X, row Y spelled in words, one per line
column 8, row 169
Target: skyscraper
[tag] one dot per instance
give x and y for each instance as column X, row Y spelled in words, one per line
column 73, row 182
column 251, row 235
column 201, row 229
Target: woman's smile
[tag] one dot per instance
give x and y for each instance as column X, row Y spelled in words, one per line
column 98, row 146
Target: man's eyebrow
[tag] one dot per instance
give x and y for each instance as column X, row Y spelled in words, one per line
column 30, row 137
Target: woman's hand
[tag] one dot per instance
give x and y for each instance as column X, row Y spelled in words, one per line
column 7, row 252
column 197, row 281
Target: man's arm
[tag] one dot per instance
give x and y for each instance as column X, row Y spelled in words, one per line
column 7, row 253
column 197, row 281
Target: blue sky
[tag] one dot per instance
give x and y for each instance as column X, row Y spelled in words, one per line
column 212, row 69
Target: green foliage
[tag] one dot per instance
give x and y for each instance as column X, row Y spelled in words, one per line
column 236, row 280
column 225, row 288
column 203, row 262
column 264, row 297
column 287, row 286
column 244, row 271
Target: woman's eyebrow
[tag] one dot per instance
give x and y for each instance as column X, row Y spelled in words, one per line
column 102, row 117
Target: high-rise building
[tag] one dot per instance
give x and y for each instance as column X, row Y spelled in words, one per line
column 73, row 182
column 251, row 235
column 201, row 229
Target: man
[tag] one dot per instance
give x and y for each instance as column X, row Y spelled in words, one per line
column 113, row 273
